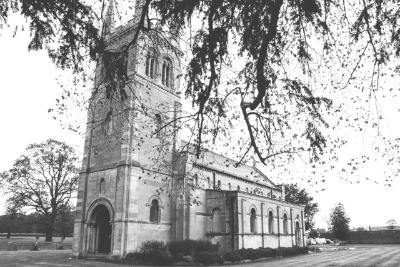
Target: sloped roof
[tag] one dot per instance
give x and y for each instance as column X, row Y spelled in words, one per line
column 217, row 162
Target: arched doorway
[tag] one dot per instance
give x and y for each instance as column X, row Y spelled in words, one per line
column 297, row 233
column 100, row 230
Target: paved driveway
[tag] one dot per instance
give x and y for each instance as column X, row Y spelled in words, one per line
column 385, row 255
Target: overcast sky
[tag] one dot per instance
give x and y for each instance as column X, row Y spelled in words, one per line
column 29, row 89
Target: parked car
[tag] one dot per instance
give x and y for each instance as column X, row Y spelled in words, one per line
column 328, row 241
column 311, row 241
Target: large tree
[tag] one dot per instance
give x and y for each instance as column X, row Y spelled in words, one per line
column 43, row 179
column 273, row 99
column 339, row 222
column 295, row 194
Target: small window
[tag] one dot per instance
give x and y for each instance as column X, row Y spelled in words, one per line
column 230, row 186
column 238, row 188
column 219, row 184
column 270, row 222
column 102, row 186
column 285, row 224
column 154, row 211
column 253, row 221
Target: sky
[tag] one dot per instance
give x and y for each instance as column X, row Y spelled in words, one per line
column 29, row 88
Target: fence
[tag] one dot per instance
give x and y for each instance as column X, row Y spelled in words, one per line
column 375, row 237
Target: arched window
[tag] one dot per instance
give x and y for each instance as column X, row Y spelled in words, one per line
column 270, row 222
column 208, row 182
column 154, row 211
column 238, row 188
column 102, row 186
column 167, row 73
column 285, row 224
column 253, row 220
column 216, row 226
column 230, row 186
column 151, row 64
column 297, row 234
column 219, row 184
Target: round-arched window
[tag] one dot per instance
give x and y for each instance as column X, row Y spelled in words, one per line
column 270, row 222
column 253, row 220
column 154, row 211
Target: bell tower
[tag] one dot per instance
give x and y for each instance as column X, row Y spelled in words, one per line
column 130, row 141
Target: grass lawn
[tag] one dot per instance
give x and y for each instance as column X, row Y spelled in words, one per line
column 26, row 242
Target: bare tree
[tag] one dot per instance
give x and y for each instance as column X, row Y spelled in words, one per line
column 43, row 179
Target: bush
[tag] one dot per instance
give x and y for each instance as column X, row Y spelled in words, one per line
column 253, row 254
column 268, row 252
column 160, row 257
column 133, row 257
column 209, row 258
column 152, row 245
column 190, row 247
column 184, row 247
column 233, row 256
column 243, row 253
column 204, row 246
column 291, row 251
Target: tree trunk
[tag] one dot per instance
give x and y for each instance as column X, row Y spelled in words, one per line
column 50, row 228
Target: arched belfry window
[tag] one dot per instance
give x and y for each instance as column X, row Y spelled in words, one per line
column 154, row 211
column 285, row 224
column 102, row 186
column 270, row 222
column 167, row 76
column 151, row 64
column 253, row 220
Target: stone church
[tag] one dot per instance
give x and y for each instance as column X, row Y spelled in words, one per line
column 139, row 181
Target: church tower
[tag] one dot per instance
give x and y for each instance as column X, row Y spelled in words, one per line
column 130, row 143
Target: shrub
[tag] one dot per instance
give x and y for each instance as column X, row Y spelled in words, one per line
column 233, row 256
column 184, row 247
column 133, row 257
column 267, row 252
column 243, row 253
column 203, row 246
column 291, row 251
column 190, row 247
column 152, row 245
column 252, row 254
column 160, row 257
column 208, row 258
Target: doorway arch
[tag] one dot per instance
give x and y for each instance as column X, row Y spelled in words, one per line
column 100, row 230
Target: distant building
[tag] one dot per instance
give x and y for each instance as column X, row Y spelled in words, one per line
column 390, row 225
